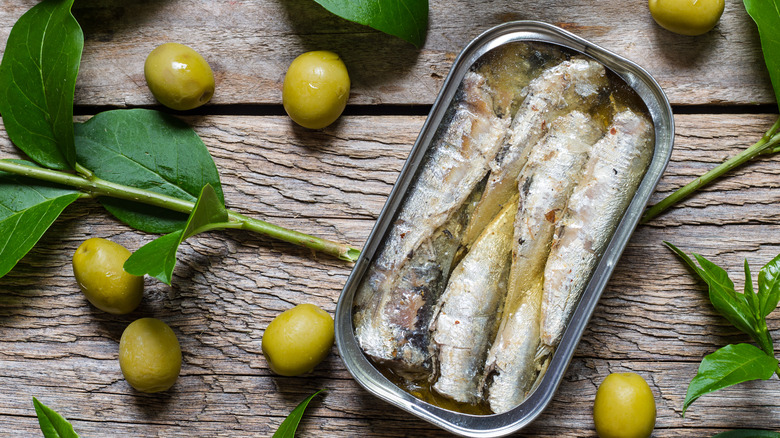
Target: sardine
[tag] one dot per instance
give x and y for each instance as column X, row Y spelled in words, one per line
column 570, row 85
column 545, row 185
column 385, row 314
column 610, row 178
column 511, row 365
column 467, row 314
column 420, row 284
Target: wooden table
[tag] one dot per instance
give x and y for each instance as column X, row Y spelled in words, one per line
column 653, row 319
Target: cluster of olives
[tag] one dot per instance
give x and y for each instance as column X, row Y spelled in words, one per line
column 314, row 94
column 149, row 353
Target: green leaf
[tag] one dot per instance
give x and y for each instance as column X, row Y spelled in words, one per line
column 27, row 209
column 148, row 150
column 158, row 257
column 53, row 425
column 747, row 433
column 290, row 424
column 730, row 304
column 766, row 14
column 38, row 81
column 716, row 274
column 407, row 19
column 208, row 212
column 728, row 366
column 724, row 298
column 769, row 287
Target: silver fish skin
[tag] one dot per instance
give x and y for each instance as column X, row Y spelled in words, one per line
column 457, row 161
column 421, row 282
column 545, row 185
column 468, row 311
column 611, row 176
column 511, row 365
column 568, row 86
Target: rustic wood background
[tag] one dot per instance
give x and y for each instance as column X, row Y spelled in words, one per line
column 653, row 319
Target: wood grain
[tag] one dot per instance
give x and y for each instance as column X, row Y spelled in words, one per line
column 250, row 43
column 653, row 319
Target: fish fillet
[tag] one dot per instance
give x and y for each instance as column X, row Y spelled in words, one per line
column 469, row 307
column 545, row 185
column 570, row 85
column 511, row 365
column 420, row 284
column 610, row 178
column 385, row 314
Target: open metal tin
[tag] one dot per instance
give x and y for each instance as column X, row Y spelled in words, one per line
column 502, row 424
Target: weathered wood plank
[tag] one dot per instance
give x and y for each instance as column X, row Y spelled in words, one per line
column 653, row 318
column 251, row 43
column 345, row 171
column 216, row 404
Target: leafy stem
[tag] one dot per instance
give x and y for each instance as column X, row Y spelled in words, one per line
column 340, row 250
column 747, row 311
column 93, row 187
column 766, row 14
column 768, row 144
column 764, row 341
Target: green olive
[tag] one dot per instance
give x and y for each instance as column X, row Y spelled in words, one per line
column 178, row 76
column 298, row 339
column 97, row 266
column 149, row 355
column 624, row 407
column 316, row 88
column 687, row 17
